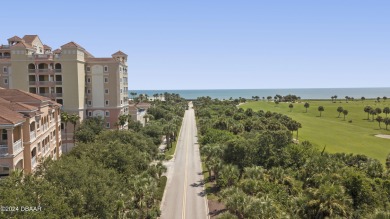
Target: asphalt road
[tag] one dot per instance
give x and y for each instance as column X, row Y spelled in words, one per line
column 184, row 195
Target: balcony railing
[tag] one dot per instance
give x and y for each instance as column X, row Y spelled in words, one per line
column 43, row 56
column 3, row 150
column 51, row 95
column 32, row 135
column 57, row 70
column 31, row 71
column 34, row 161
column 17, row 147
column 47, row 83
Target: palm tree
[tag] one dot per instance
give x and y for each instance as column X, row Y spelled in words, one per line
column 378, row 110
column 386, row 110
column 328, row 200
column 386, row 121
column 65, row 120
column 373, row 113
column 307, row 105
column 340, row 110
column 346, row 98
column 384, row 98
column 363, row 98
column 291, row 106
column 378, row 99
column 74, row 118
column 122, row 120
column 379, row 119
column 321, row 109
column 133, row 94
column 345, row 112
column 367, row 109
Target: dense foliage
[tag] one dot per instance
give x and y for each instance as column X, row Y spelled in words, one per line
column 259, row 172
column 108, row 174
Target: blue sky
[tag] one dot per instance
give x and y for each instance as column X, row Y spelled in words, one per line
column 216, row 44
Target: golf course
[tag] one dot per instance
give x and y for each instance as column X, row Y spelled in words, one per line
column 353, row 134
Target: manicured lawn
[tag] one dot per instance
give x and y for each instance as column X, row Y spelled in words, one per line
column 333, row 132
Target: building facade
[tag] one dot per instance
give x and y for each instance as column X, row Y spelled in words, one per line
column 71, row 76
column 30, row 127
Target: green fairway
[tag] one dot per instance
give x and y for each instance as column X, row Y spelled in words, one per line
column 337, row 134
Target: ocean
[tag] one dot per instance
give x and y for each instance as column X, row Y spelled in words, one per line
column 304, row 93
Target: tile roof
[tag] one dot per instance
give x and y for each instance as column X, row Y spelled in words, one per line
column 57, row 51
column 75, row 45
column 120, row 53
column 71, row 45
column 9, row 117
column 22, row 44
column 21, row 107
column 15, row 38
column 29, row 38
column 16, row 95
column 46, row 46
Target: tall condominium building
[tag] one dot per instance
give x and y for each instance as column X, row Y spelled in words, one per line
column 30, row 127
column 82, row 84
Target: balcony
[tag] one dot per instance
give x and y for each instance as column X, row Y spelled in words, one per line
column 42, row 56
column 33, row 161
column 51, row 95
column 3, row 150
column 17, row 147
column 57, row 70
column 45, row 83
column 32, row 135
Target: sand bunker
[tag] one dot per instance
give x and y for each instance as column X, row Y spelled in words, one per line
column 383, row 136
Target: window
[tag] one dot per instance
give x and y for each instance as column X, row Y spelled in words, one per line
column 120, row 69
column 105, row 68
column 88, row 91
column 105, row 80
column 121, row 102
column 107, row 113
column 39, row 147
column 121, row 90
column 88, row 80
column 107, row 102
column 89, row 103
column 107, row 125
column 4, row 135
column 62, row 126
column 106, row 91
column 88, row 69
column 5, row 69
column 5, row 80
column 89, row 113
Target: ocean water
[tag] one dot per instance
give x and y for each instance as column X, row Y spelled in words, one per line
column 304, row 93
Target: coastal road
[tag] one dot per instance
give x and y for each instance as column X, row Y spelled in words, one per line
column 184, row 195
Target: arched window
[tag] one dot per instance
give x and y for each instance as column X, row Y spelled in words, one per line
column 58, row 66
column 31, row 66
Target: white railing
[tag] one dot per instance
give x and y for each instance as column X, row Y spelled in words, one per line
column 17, row 146
column 33, row 161
column 32, row 135
column 3, row 150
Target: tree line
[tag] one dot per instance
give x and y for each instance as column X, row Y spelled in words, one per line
column 257, row 170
